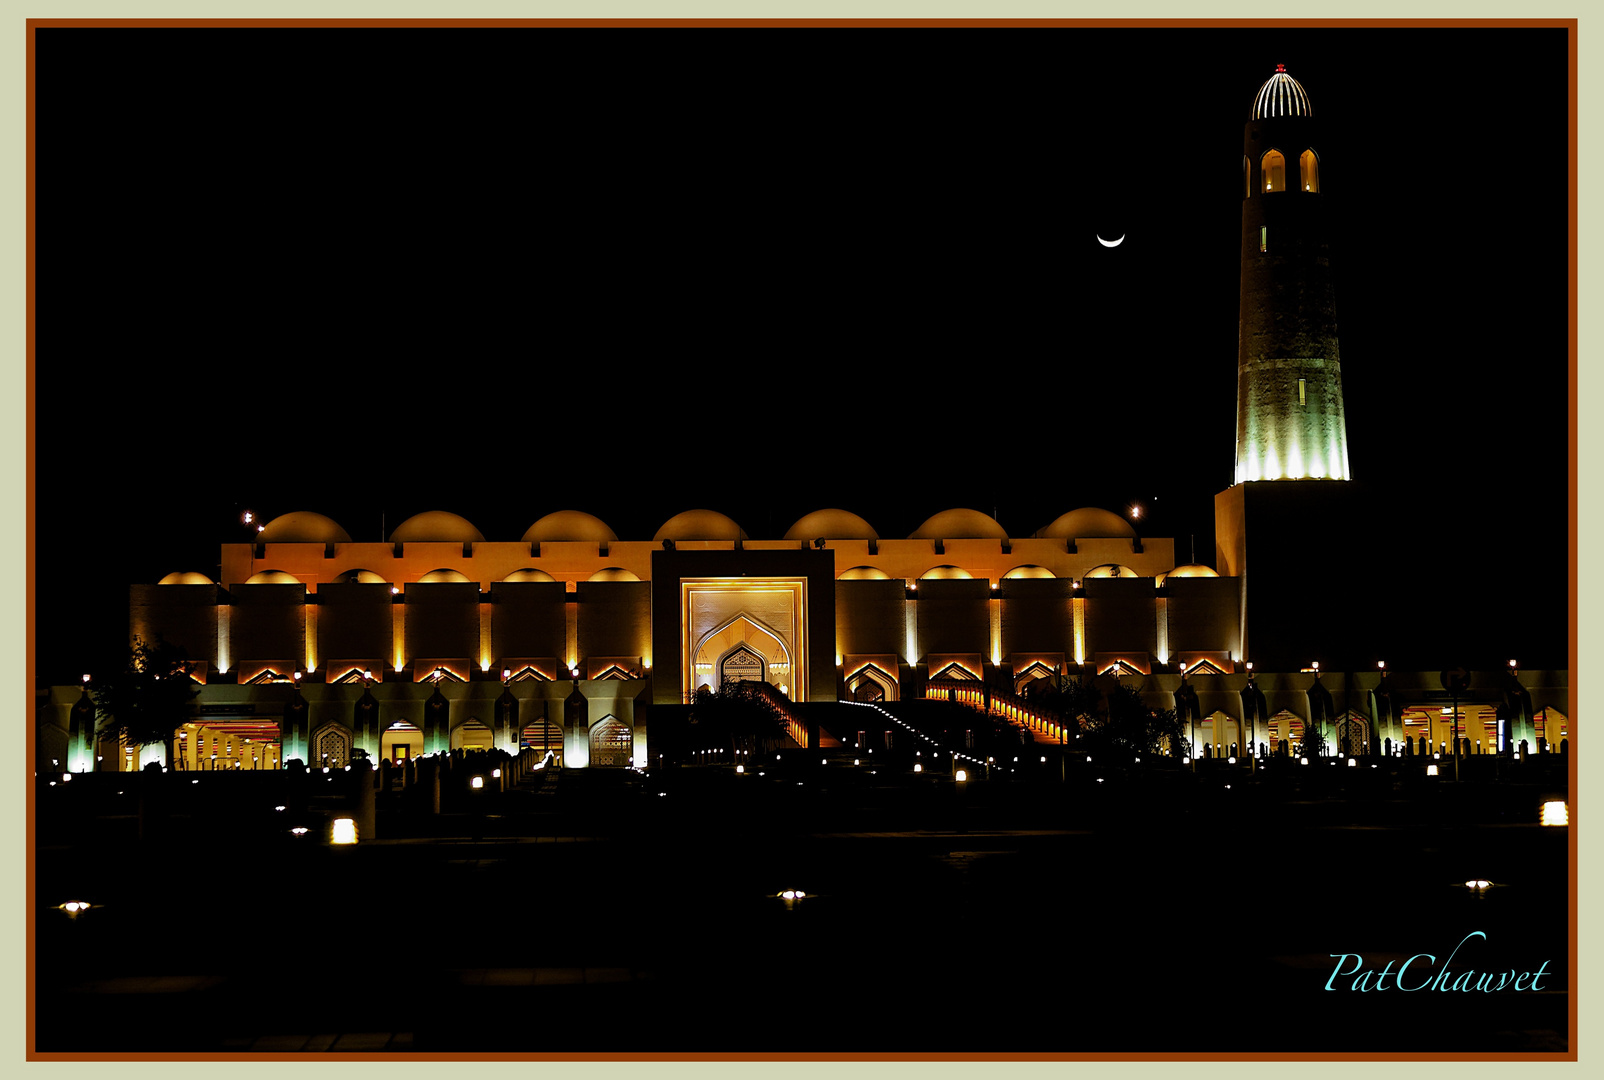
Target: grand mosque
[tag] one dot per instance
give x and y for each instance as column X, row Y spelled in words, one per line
column 571, row 639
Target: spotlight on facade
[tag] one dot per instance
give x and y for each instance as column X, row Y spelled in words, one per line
column 1555, row 812
column 74, row 908
column 344, row 831
column 476, row 783
column 299, row 830
column 1478, row 885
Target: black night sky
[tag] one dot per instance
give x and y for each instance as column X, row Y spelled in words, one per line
column 371, row 273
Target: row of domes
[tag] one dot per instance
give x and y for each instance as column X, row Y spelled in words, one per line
column 306, row 527
column 617, row 573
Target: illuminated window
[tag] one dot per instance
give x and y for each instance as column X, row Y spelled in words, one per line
column 1301, row 400
column 1264, row 238
column 1309, row 171
column 1274, row 168
column 1247, row 178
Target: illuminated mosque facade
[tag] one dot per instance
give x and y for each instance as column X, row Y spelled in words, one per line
column 567, row 639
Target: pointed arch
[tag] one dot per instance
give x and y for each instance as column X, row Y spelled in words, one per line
column 612, row 743
column 1273, row 171
column 742, row 630
column 1309, row 170
column 871, row 683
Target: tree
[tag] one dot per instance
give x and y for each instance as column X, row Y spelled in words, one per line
column 739, row 714
column 1314, row 740
column 149, row 698
column 1076, row 703
column 1131, row 725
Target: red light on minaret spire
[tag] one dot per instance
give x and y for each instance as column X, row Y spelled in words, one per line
column 1280, row 69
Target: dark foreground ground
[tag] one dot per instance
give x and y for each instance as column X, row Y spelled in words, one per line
column 1144, row 914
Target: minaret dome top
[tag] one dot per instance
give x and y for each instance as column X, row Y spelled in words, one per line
column 1281, row 96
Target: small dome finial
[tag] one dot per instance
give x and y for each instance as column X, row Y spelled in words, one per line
column 1281, row 69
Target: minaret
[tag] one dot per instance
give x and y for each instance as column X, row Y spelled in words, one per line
column 1289, row 420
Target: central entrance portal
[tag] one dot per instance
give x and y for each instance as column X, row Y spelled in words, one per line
column 730, row 613
column 740, row 629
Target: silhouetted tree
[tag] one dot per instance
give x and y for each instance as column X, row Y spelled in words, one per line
column 739, row 715
column 1077, row 703
column 1314, row 740
column 148, row 700
column 1131, row 725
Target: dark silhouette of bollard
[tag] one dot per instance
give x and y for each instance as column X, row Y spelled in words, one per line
column 362, row 800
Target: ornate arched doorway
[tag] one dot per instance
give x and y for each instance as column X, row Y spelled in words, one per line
column 331, row 747
column 612, row 744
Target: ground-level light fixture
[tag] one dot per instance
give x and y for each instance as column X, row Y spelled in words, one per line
column 1478, row 885
column 1555, row 812
column 918, row 767
column 344, row 831
column 960, row 776
column 477, row 782
column 1431, row 770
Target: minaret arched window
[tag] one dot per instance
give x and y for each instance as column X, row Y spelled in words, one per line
column 1247, row 178
column 1274, row 168
column 1309, row 171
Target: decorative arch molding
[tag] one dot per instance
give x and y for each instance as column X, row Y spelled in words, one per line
column 742, row 631
column 885, row 683
column 1036, row 670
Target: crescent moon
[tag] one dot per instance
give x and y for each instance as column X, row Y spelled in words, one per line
column 1112, row 243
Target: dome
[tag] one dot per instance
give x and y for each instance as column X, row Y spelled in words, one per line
column 272, row 577
column 436, row 525
column 699, row 525
column 186, row 577
column 945, row 573
column 832, row 525
column 443, row 574
column 863, row 573
column 1088, row 523
column 569, row 525
column 1190, row 570
column 1111, row 570
column 614, row 573
column 303, row 527
column 1281, row 96
column 959, row 525
column 1028, row 571
column 365, row 577
column 528, row 574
